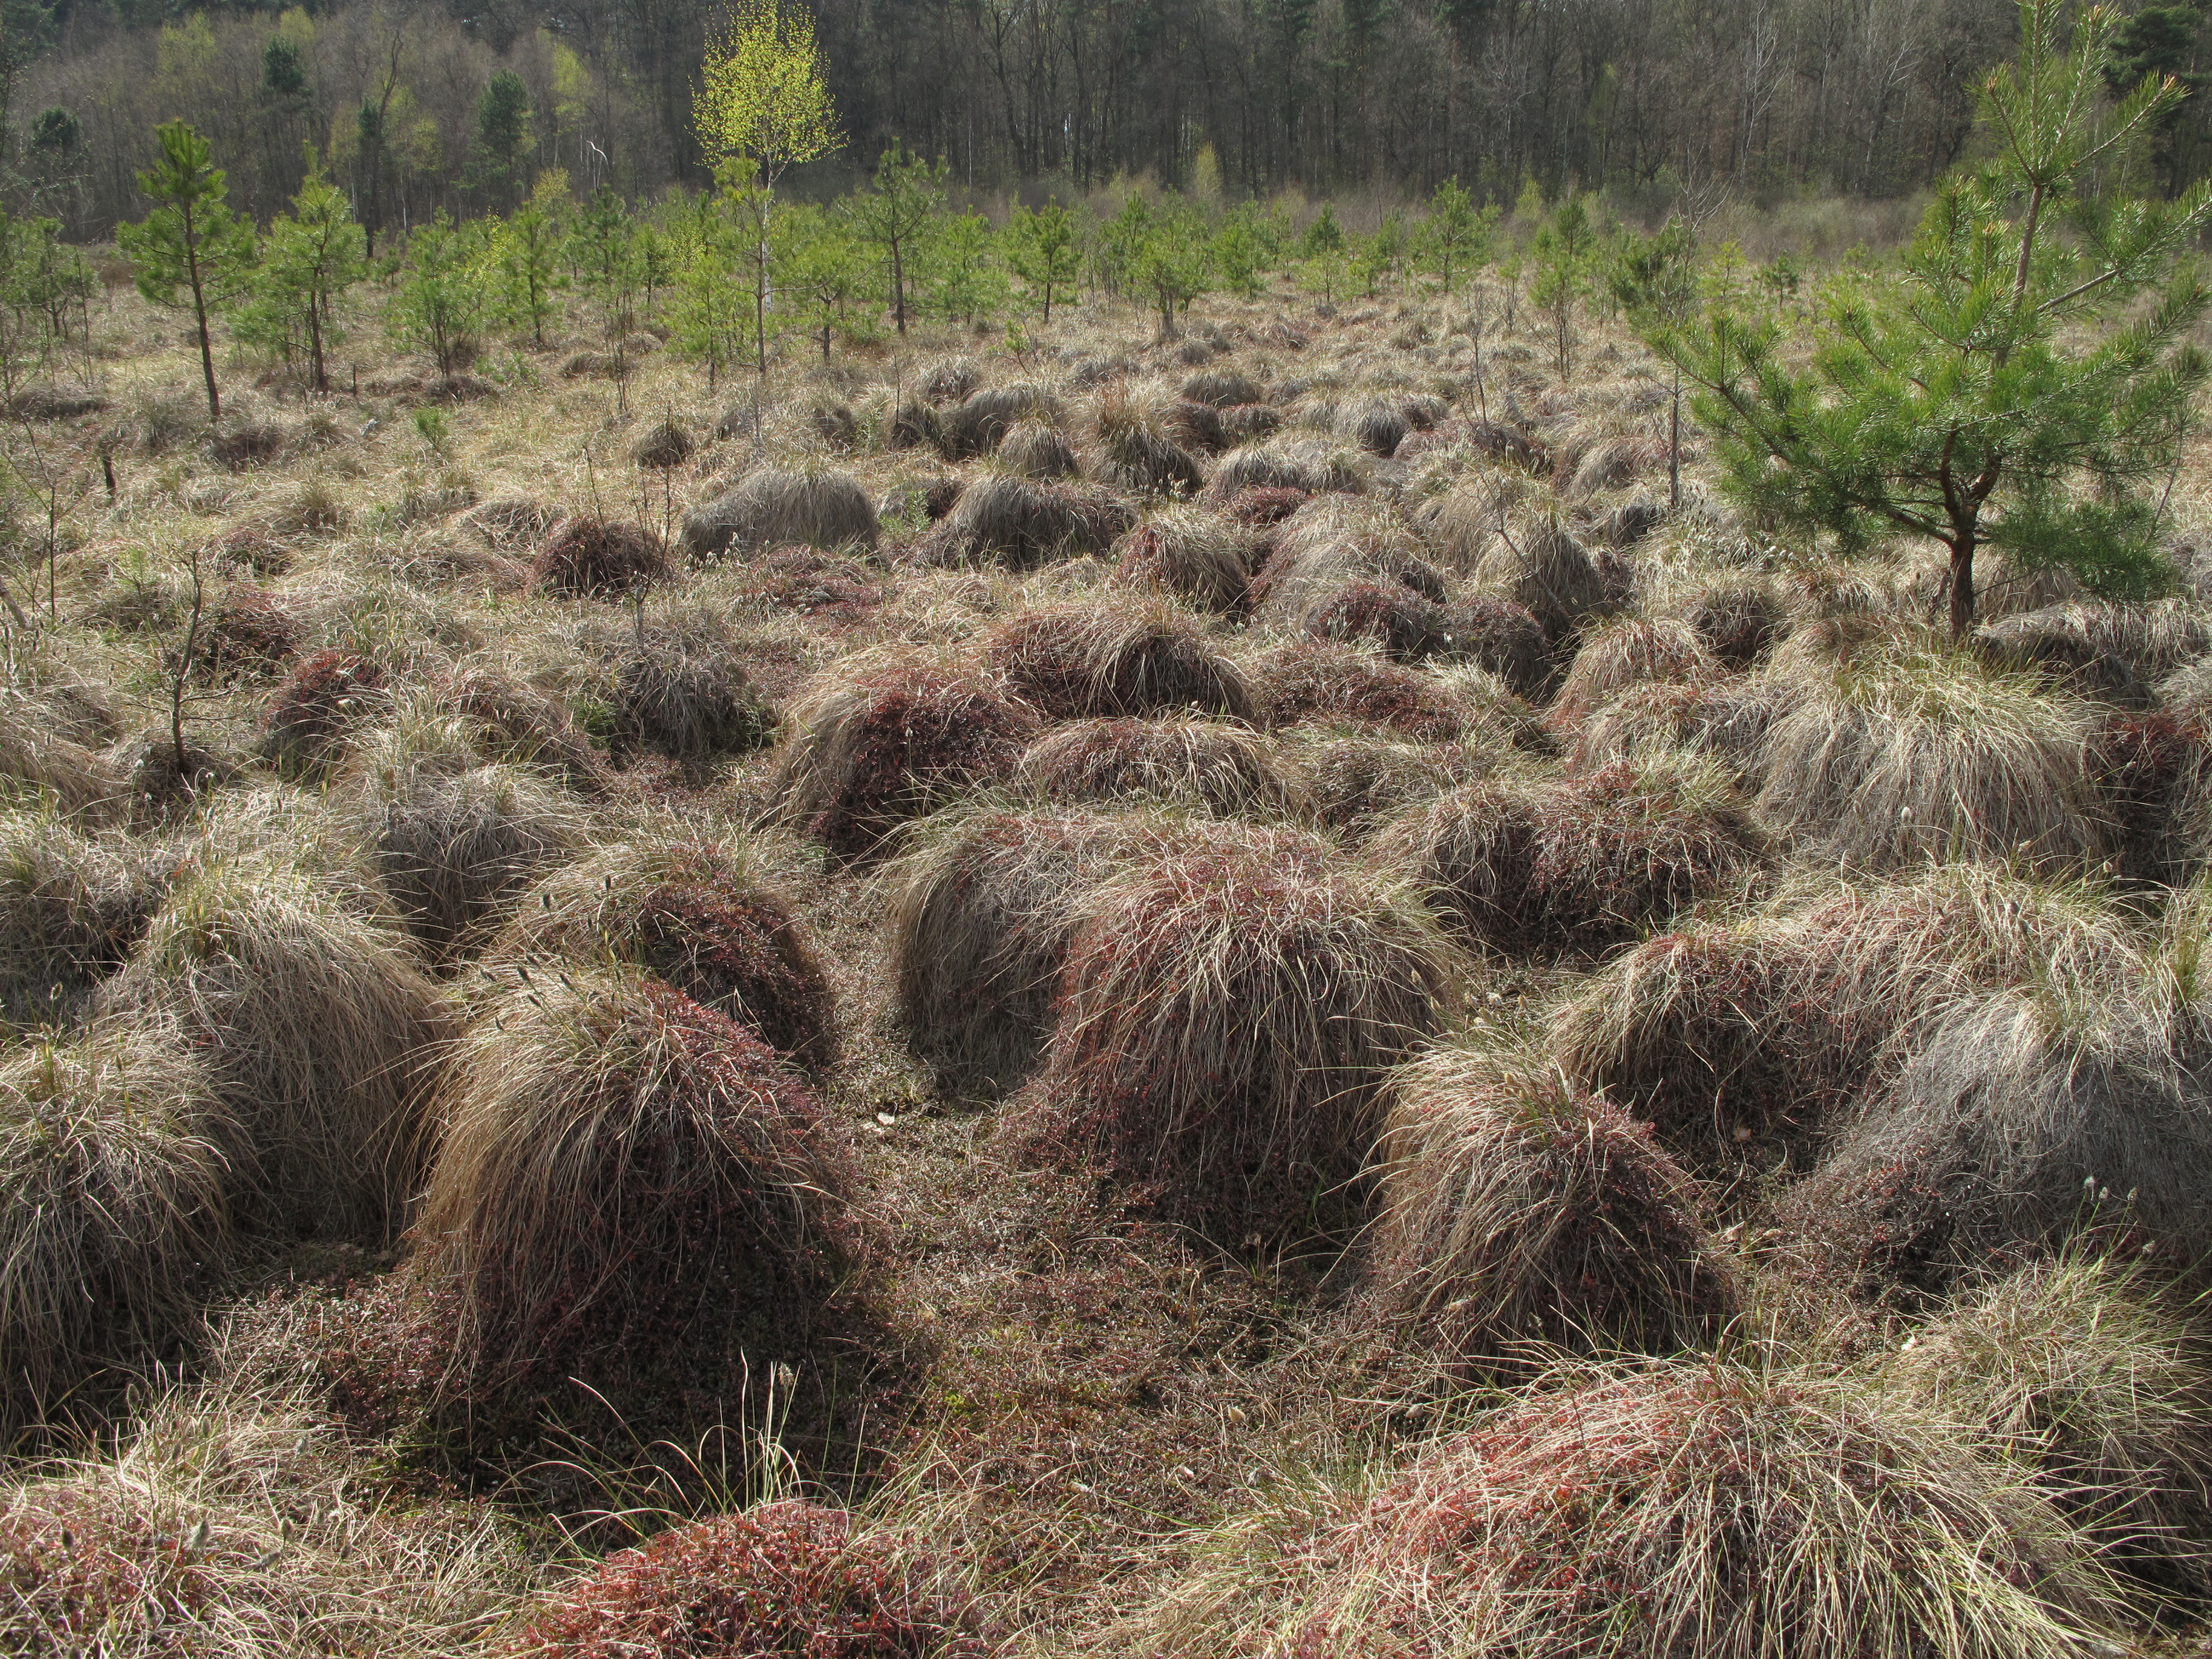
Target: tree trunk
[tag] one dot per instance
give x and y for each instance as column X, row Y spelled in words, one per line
column 1962, row 586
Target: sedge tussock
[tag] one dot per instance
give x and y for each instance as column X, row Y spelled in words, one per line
column 1127, row 655
column 1227, row 1013
column 1227, row 770
column 116, row 1213
column 698, row 914
column 1692, row 1509
column 1513, row 1210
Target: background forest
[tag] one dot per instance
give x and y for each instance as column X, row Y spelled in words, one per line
column 419, row 106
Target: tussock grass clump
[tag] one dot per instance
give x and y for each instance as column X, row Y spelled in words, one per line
column 1228, row 1014
column 245, row 637
column 665, row 445
column 1703, row 714
column 455, row 845
column 318, row 707
column 1580, row 863
column 38, row 764
column 2081, row 1370
column 1024, row 524
column 626, row 1179
column 590, row 558
column 1699, row 1508
column 950, row 380
column 1317, row 471
column 1501, row 637
column 894, row 741
column 1623, row 652
column 221, row 1524
column 1514, row 1209
column 1319, row 681
column 1355, row 785
column 2153, row 774
column 2016, row 1124
column 1120, row 656
column 504, row 719
column 318, row 1030
column 1334, row 543
column 115, row 1215
column 1727, row 1035
column 2105, row 649
column 1903, row 755
column 1739, row 619
column 71, row 905
column 1228, row 770
column 680, row 688
column 1031, row 449
column 784, row 1577
column 811, row 584
column 1201, row 557
column 983, row 904
column 1548, row 573
column 827, row 510
column 982, row 420
column 697, row 915
column 1223, row 388
column 1137, row 448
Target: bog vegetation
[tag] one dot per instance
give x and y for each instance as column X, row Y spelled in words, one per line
column 770, row 922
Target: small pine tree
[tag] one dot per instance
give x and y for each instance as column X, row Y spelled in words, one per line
column 821, row 267
column 528, row 250
column 1564, row 254
column 1039, row 248
column 1991, row 392
column 191, row 241
column 966, row 280
column 895, row 217
column 1241, row 255
column 1455, row 236
column 311, row 256
column 1324, row 236
column 445, row 292
column 711, row 315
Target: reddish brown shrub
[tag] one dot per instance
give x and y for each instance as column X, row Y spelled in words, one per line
column 1264, row 504
column 586, row 557
column 787, row 1579
column 822, row 586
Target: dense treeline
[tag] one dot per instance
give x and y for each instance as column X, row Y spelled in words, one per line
column 417, row 108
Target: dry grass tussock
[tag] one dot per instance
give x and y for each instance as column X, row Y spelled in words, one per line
column 772, row 508
column 1519, row 863
column 677, row 685
column 700, row 914
column 618, row 1166
column 1227, row 1011
column 891, row 738
column 454, row 844
column 1740, row 1038
column 1917, row 754
column 1229, row 771
column 1127, row 655
column 1544, row 569
column 1516, row 1213
column 1355, row 785
column 71, row 905
column 983, row 904
column 1324, row 683
column 1624, row 651
column 37, row 764
column 2026, row 1117
column 116, row 1216
column 1022, row 524
column 225, row 1526
column 318, row 1031
column 1136, row 449
column 1693, row 1509
column 2086, row 1370
column 1203, row 558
